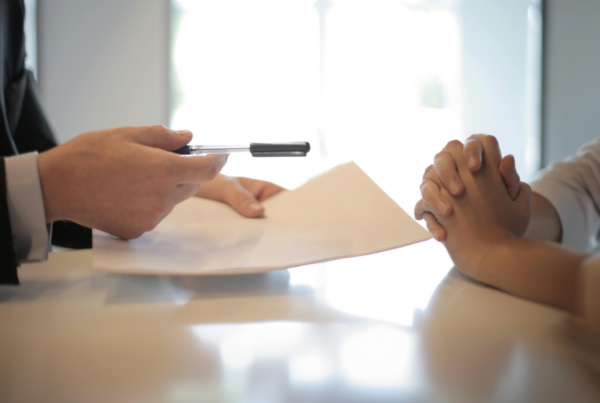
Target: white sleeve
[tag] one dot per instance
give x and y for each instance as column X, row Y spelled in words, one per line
column 573, row 188
column 26, row 208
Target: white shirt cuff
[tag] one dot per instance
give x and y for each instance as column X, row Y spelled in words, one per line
column 26, row 208
column 572, row 210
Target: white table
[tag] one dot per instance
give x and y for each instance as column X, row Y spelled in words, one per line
column 390, row 327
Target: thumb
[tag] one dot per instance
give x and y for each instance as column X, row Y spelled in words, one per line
column 241, row 200
column 523, row 199
column 510, row 176
column 160, row 137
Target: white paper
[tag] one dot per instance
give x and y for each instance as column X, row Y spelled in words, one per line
column 339, row 214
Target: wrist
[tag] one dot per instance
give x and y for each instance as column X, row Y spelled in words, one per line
column 472, row 257
column 495, row 254
column 50, row 193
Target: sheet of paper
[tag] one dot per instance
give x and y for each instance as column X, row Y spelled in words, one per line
column 340, row 214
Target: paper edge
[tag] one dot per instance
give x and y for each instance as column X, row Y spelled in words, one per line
column 248, row 270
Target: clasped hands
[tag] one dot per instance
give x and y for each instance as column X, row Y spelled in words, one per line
column 473, row 200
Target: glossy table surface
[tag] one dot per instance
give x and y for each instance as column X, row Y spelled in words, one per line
column 398, row 326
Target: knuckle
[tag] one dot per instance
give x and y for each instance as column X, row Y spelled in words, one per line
column 476, row 137
column 490, row 140
column 429, row 171
column 473, row 148
column 444, row 164
column 426, row 188
column 441, row 156
column 454, row 145
column 161, row 130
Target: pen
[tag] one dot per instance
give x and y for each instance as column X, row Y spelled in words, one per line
column 257, row 149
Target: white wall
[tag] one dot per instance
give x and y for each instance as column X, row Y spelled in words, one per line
column 31, row 35
column 103, row 64
column 572, row 112
column 494, row 77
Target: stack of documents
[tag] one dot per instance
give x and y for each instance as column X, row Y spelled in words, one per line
column 339, row 214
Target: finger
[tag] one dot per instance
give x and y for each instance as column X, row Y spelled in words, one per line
column 270, row 191
column 456, row 150
column 160, row 137
column 433, row 197
column 420, row 210
column 491, row 149
column 510, row 176
column 196, row 168
column 184, row 191
column 431, row 174
column 473, row 153
column 523, row 199
column 241, row 200
column 261, row 190
column 433, row 226
column 445, row 167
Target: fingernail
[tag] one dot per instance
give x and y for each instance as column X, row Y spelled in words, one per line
column 472, row 163
column 454, row 187
column 255, row 207
column 436, row 236
column 443, row 206
column 184, row 134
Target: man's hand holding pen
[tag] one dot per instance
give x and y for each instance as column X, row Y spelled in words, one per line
column 122, row 180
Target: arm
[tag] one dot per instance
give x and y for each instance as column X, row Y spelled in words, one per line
column 539, row 271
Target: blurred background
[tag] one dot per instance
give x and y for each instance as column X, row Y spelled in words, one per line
column 385, row 83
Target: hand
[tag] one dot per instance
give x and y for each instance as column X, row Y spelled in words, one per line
column 445, row 169
column 122, row 181
column 484, row 214
column 243, row 194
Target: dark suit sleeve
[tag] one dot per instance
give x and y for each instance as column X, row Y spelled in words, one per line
column 8, row 263
column 33, row 133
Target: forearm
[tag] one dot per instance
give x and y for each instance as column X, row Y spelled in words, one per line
column 545, row 222
column 538, row 271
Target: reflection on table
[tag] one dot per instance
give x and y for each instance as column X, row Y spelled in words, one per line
column 395, row 326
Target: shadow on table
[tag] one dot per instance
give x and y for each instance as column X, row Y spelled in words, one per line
column 31, row 290
column 148, row 288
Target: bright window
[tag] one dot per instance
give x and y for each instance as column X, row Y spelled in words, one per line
column 385, row 83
